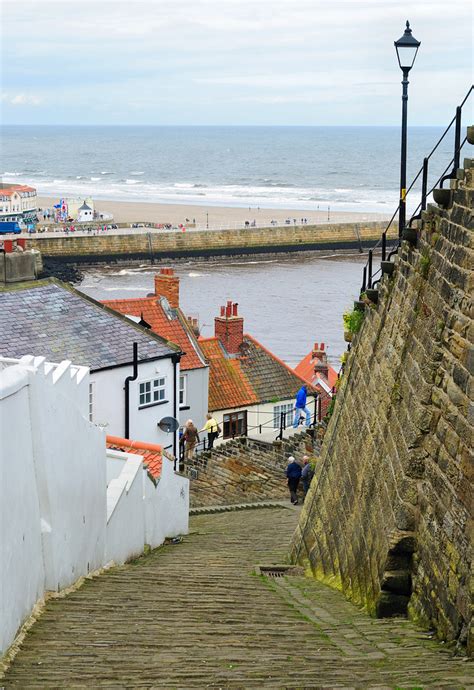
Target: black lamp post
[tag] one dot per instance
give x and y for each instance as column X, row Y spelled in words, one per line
column 407, row 48
column 207, row 221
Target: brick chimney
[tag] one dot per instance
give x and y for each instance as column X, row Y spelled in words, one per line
column 320, row 360
column 229, row 328
column 167, row 285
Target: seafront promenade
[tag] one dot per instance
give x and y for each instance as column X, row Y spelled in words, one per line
column 154, row 243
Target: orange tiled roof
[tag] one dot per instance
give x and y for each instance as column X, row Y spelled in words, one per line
column 306, row 369
column 8, row 190
column 152, row 453
column 228, row 386
column 176, row 329
column 255, row 376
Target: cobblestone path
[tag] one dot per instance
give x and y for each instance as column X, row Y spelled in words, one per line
column 194, row 615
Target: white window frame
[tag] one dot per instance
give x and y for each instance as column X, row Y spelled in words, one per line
column 288, row 409
column 151, row 392
column 183, row 389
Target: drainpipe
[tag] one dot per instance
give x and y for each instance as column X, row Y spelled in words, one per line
column 127, row 389
column 175, row 402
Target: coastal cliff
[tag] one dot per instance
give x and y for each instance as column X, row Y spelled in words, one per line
column 389, row 516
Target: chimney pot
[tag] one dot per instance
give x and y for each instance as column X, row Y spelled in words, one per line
column 234, row 309
column 222, row 311
column 322, row 347
column 316, row 347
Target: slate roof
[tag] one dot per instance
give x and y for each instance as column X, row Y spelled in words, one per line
column 253, row 377
column 52, row 319
column 175, row 328
column 151, row 453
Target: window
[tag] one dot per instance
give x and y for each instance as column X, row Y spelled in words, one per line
column 235, row 424
column 91, row 400
column 152, row 392
column 182, row 389
column 287, row 410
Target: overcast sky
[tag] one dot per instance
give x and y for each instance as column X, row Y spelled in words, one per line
column 278, row 62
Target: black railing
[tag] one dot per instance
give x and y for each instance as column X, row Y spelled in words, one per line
column 453, row 165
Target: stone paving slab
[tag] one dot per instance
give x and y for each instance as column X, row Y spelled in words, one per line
column 195, row 615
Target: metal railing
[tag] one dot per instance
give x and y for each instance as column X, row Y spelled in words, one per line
column 368, row 275
column 285, row 421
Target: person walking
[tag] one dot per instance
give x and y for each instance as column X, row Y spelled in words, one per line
column 190, row 438
column 213, row 430
column 300, row 407
column 307, row 474
column 293, row 473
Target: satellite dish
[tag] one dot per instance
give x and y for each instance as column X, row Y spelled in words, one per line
column 168, row 424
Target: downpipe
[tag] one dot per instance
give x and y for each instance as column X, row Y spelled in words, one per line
column 133, row 377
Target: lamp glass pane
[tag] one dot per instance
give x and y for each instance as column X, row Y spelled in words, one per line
column 406, row 55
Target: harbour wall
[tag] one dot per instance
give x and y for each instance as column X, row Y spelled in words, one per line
column 389, row 517
column 156, row 245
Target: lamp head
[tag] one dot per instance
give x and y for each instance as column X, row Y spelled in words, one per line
column 407, row 48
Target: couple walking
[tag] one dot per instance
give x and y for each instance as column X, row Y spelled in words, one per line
column 190, row 437
column 295, row 473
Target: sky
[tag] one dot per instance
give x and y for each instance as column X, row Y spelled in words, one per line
column 230, row 62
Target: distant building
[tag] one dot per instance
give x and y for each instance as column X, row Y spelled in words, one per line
column 75, row 208
column 161, row 312
column 248, row 385
column 58, row 322
column 316, row 369
column 85, row 213
column 18, row 203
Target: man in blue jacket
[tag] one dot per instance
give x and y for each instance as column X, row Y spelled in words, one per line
column 293, row 473
column 300, row 406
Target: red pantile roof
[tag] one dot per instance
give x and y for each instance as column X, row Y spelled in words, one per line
column 252, row 377
column 168, row 323
column 306, row 370
column 10, row 189
column 152, row 453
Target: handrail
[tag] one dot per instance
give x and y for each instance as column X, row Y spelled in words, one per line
column 368, row 276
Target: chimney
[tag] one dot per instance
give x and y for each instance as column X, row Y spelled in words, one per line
column 320, row 360
column 167, row 285
column 229, row 328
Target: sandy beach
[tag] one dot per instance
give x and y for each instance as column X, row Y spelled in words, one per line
column 131, row 211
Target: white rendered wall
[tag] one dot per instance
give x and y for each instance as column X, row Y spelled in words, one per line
column 21, row 558
column 125, row 507
column 197, row 392
column 109, row 402
column 58, row 518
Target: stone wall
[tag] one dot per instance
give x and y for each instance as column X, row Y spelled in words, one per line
column 158, row 244
column 389, row 520
column 243, row 471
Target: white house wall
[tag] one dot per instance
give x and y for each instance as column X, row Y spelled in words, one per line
column 166, row 505
column 21, row 557
column 197, row 392
column 109, row 402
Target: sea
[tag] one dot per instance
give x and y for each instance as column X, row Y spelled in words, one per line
column 345, row 168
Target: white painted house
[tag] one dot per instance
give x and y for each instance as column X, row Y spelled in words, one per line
column 85, row 213
column 68, row 506
column 127, row 398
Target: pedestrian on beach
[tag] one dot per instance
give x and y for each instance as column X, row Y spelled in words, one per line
column 293, row 473
column 190, row 438
column 213, row 430
column 307, row 474
column 300, row 407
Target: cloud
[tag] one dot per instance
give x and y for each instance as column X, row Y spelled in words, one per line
column 21, row 99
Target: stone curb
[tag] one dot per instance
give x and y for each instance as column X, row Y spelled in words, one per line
column 205, row 510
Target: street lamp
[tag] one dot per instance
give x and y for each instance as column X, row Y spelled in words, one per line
column 207, row 221
column 407, row 48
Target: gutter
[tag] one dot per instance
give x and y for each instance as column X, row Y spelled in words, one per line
column 127, row 389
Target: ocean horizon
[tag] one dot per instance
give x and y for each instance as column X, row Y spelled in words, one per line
column 277, row 166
